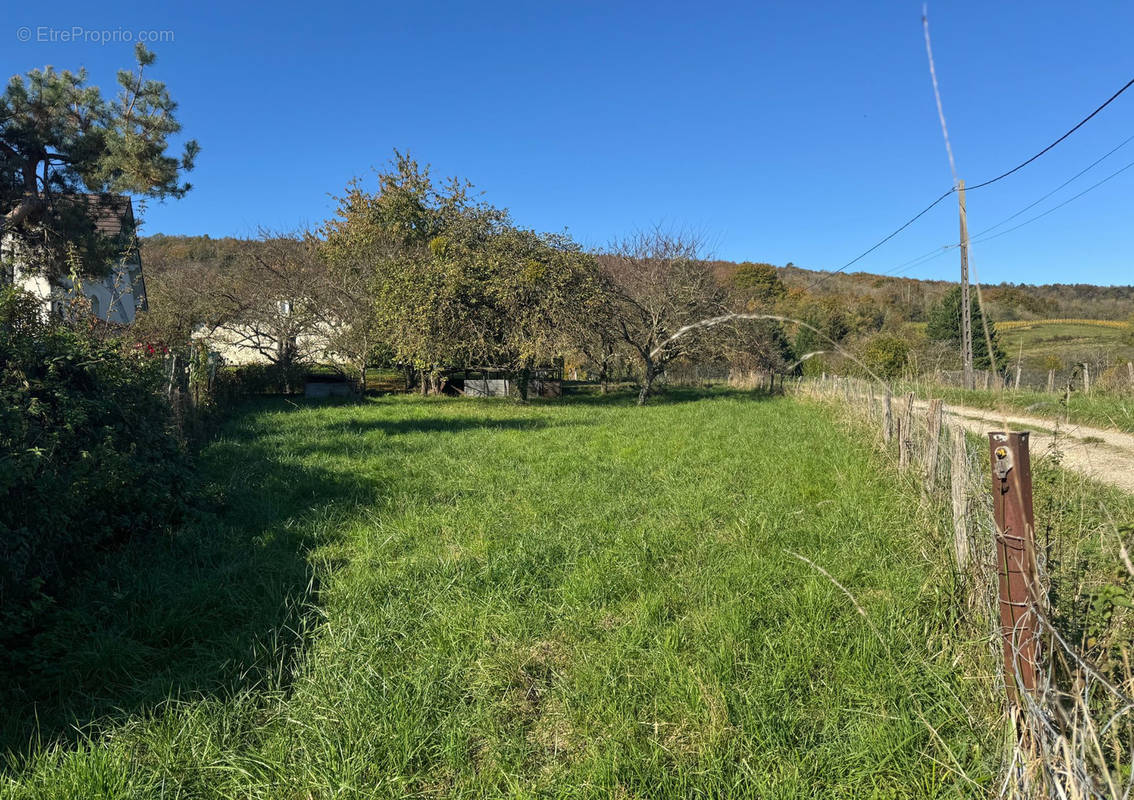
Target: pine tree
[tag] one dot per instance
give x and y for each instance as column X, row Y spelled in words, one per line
column 61, row 139
column 944, row 325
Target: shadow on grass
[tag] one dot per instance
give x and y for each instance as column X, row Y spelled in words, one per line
column 672, row 395
column 217, row 607
column 401, row 427
column 575, row 394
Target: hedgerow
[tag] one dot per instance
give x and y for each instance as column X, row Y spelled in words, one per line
column 88, row 457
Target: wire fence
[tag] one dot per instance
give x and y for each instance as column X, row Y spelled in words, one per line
column 1072, row 735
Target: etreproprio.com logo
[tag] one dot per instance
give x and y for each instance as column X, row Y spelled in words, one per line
column 79, row 34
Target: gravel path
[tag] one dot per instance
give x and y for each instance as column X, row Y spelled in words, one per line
column 1104, row 455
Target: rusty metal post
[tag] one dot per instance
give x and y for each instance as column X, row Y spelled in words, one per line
column 1015, row 556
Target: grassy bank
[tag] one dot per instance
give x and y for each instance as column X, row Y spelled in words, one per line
column 420, row 597
column 1099, row 409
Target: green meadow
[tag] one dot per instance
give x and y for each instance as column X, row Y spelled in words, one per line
column 1067, row 340
column 717, row 595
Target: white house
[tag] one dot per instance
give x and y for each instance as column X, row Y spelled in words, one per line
column 118, row 295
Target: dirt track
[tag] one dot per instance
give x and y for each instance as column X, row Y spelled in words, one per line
column 1104, row 455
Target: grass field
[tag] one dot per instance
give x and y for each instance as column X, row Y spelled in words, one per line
column 1068, row 340
column 413, row 597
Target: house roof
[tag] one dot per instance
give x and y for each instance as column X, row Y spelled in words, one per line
column 111, row 213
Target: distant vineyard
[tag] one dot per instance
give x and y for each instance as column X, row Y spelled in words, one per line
column 1027, row 323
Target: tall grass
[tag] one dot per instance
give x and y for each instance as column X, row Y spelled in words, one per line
column 1077, row 728
column 720, row 595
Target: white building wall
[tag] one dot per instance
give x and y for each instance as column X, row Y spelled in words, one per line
column 113, row 298
column 237, row 346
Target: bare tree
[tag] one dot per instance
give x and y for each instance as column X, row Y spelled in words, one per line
column 659, row 282
column 345, row 313
column 269, row 303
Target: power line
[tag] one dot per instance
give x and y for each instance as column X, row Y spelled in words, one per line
column 937, row 252
column 924, row 258
column 1061, row 205
column 1081, row 123
column 881, row 242
column 941, row 250
column 1073, row 178
column 989, row 182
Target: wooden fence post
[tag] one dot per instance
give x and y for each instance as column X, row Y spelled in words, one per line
column 1050, row 381
column 958, row 468
column 1015, row 557
column 1086, row 378
column 888, row 417
column 933, row 443
column 905, row 435
column 908, row 427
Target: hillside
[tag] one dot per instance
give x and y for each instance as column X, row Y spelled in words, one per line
column 1005, row 301
column 911, row 297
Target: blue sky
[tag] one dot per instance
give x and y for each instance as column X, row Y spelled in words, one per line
column 799, row 132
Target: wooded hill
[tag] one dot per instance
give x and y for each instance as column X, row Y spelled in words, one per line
column 1005, row 301
column 907, row 298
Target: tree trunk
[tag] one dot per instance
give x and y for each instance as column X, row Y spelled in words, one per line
column 424, row 378
column 24, row 209
column 647, row 383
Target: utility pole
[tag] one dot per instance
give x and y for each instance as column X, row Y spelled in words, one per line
column 966, row 316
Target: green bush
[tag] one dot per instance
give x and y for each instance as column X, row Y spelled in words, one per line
column 236, row 382
column 886, row 355
column 88, row 456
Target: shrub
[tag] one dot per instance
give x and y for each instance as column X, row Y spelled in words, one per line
column 88, row 455
column 236, row 382
column 886, row 355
